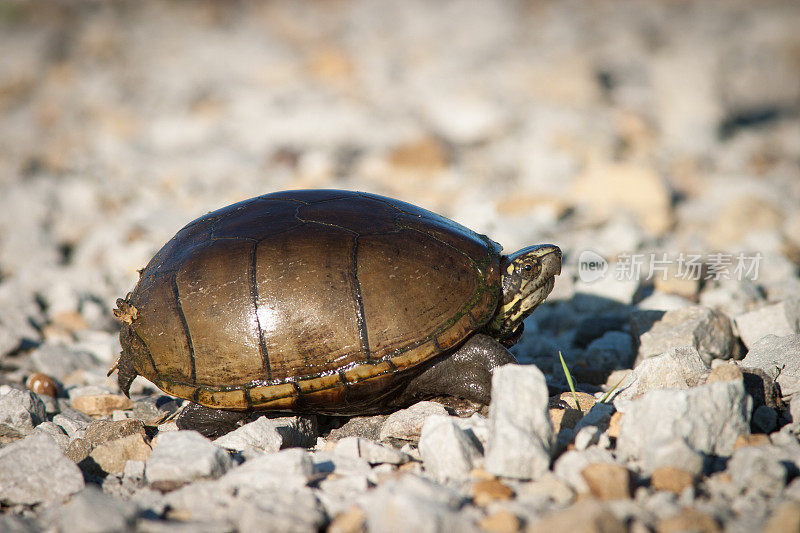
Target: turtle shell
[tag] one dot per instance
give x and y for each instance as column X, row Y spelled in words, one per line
column 316, row 300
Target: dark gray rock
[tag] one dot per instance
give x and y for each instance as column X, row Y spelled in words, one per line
column 366, row 427
column 35, row 470
column 59, row 361
column 521, row 434
column 299, row 431
column 610, row 352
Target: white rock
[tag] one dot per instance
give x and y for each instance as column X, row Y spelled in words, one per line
column 708, row 417
column 291, row 468
column 676, row 453
column 179, row 457
column 448, row 452
column 569, row 466
column 92, row 511
column 372, row 452
column 680, row 367
column 778, row 357
column 706, row 329
column 261, row 434
column 780, row 319
column 521, row 434
column 35, row 470
column 54, row 432
column 20, row 411
column 406, row 424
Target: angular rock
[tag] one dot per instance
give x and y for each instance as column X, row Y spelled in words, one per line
column 261, row 435
column 674, row 453
column 20, row 412
column 35, row 470
column 607, row 481
column 101, row 431
column 705, row 329
column 758, row 470
column 60, row 361
column 73, row 422
column 406, row 424
column 448, row 452
column 299, row 431
column 92, row 511
column 288, row 469
column 371, row 452
column 777, row 357
column 708, row 417
column 112, row 456
column 366, row 427
column 780, row 319
column 520, row 432
column 298, row 511
column 183, row 456
column 411, row 503
column 765, row 419
column 54, row 432
column 679, row 367
column 101, row 404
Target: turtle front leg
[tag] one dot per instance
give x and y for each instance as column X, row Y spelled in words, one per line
column 210, row 422
column 466, row 373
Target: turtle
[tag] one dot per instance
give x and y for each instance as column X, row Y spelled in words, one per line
column 328, row 302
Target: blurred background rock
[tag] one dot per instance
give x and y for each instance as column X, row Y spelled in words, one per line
column 615, row 126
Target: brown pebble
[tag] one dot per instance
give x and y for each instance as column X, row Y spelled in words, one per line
column 487, row 491
column 725, row 372
column 756, row 439
column 564, row 418
column 608, row 481
column 785, row 518
column 101, row 404
column 351, row 521
column 42, row 384
column 500, row 522
column 614, row 424
column 585, row 401
column 671, row 479
column 689, row 520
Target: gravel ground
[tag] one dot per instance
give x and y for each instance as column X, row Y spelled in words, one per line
column 657, row 144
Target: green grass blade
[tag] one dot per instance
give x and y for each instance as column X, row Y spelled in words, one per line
column 569, row 381
column 606, row 395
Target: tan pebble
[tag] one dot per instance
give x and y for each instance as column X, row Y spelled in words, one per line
column 671, row 479
column 70, row 321
column 42, row 384
column 480, row 473
column 585, row 401
column 615, row 424
column 725, row 372
column 785, row 518
column 500, row 522
column 608, row 481
column 426, row 154
column 111, row 456
column 756, row 439
column 354, row 520
column 486, row 491
column 587, row 515
column 689, row 520
column 101, row 404
column 675, row 282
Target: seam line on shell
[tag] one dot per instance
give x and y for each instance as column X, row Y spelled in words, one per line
column 262, row 345
column 186, row 331
column 362, row 321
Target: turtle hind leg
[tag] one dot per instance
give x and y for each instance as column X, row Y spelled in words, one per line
column 210, row 422
column 465, row 373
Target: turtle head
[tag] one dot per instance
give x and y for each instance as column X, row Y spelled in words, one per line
column 528, row 277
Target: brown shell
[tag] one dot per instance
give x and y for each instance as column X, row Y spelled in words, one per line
column 318, row 298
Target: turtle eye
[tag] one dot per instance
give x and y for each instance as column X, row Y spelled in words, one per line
column 529, row 269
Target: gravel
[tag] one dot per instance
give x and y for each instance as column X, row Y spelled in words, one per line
column 668, row 129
